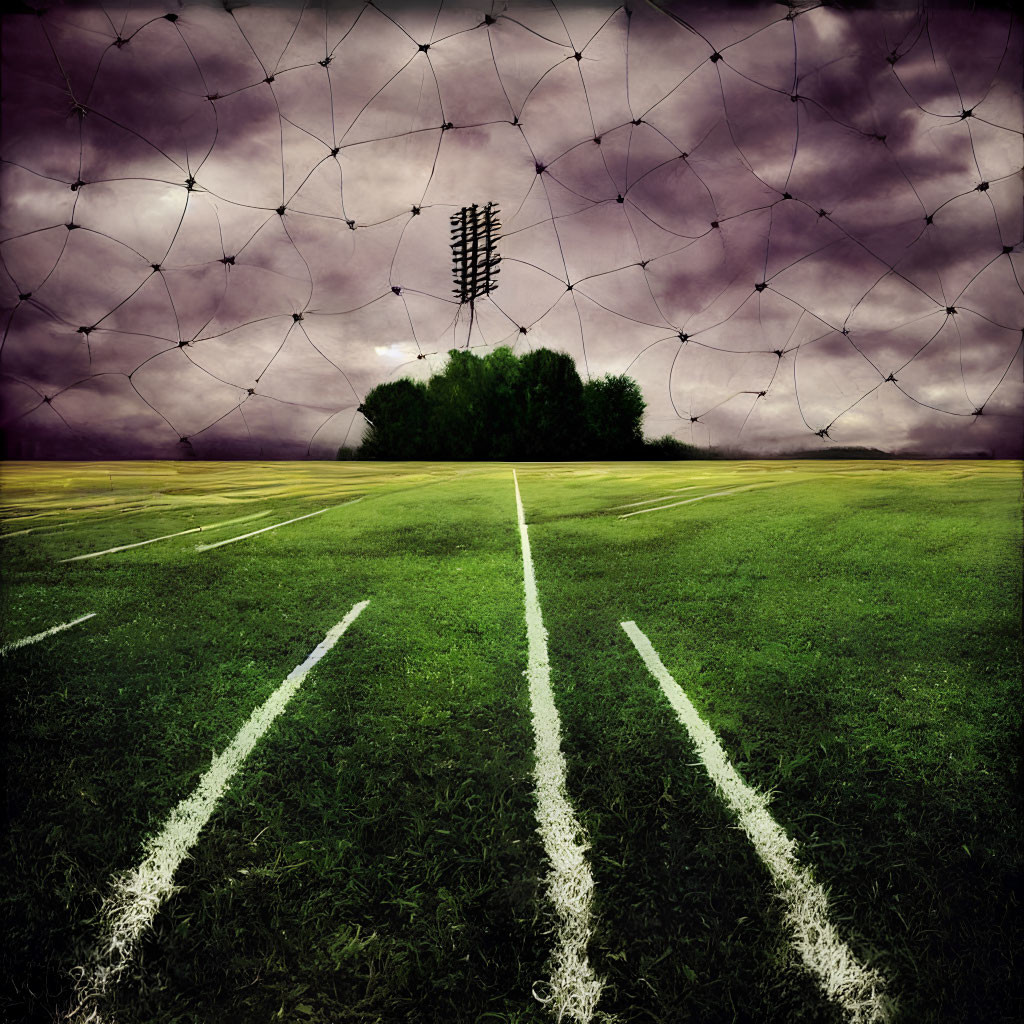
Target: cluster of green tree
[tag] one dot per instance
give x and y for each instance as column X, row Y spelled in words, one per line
column 507, row 407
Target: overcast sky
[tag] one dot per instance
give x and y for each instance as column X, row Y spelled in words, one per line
column 764, row 214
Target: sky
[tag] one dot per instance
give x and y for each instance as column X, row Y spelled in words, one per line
column 795, row 226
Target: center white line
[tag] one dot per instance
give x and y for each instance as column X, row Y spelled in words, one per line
column 574, row 988
column 844, row 979
column 137, row 895
column 15, row 644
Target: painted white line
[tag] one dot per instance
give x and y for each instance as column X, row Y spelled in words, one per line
column 136, row 896
column 125, row 547
column 49, row 528
column 574, row 988
column 676, row 504
column 166, row 536
column 650, row 501
column 844, row 979
column 231, row 540
column 42, row 636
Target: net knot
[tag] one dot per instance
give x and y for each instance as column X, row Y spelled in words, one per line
column 227, row 260
column 296, row 317
column 760, row 286
column 280, row 210
column 715, row 57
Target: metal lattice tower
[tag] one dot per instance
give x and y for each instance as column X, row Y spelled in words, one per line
column 474, row 251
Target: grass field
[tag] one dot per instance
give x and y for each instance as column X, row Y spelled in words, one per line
column 849, row 630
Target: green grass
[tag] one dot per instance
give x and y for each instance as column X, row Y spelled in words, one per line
column 850, row 630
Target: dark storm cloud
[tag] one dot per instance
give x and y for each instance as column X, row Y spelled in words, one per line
column 855, row 115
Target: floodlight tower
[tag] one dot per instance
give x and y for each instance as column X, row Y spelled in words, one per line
column 475, row 259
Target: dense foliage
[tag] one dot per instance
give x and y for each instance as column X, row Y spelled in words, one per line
column 503, row 406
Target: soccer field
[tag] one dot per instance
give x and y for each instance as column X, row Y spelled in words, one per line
column 375, row 742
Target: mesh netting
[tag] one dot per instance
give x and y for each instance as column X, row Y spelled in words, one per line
column 223, row 224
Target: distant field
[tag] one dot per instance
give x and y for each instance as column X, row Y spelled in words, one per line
column 849, row 630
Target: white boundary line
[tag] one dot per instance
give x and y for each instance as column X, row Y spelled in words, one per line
column 574, row 988
column 844, row 979
column 136, row 896
column 15, row 644
column 166, row 536
column 308, row 515
column 651, row 501
column 687, row 501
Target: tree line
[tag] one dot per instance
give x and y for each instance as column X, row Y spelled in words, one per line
column 506, row 407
